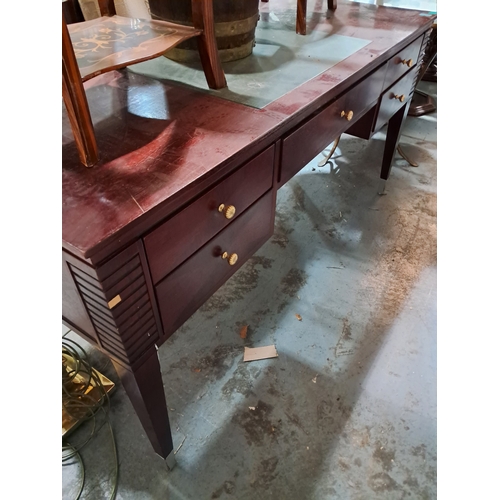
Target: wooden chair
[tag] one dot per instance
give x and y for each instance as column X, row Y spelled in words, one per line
column 300, row 23
column 113, row 42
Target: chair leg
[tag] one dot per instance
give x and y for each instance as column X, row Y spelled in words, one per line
column 300, row 23
column 203, row 18
column 76, row 103
column 332, row 4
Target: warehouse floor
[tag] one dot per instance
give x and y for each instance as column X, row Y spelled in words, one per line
column 348, row 409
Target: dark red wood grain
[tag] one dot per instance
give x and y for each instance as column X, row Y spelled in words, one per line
column 182, row 292
column 162, row 144
column 166, row 150
column 316, row 133
column 179, row 237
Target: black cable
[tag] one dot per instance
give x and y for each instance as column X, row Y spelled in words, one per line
column 76, row 400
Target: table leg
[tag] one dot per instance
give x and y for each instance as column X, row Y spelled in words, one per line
column 144, row 387
column 394, row 127
column 332, row 4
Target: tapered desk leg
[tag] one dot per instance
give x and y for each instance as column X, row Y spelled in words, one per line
column 392, row 139
column 144, row 387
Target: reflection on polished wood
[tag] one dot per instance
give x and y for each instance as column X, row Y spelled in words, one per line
column 145, row 225
column 110, row 43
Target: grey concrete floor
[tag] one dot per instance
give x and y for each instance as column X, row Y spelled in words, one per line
column 348, row 409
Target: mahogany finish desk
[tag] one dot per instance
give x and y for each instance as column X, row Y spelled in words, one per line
column 186, row 188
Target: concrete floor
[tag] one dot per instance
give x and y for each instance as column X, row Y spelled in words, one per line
column 348, row 409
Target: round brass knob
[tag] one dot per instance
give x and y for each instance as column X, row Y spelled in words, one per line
column 408, row 62
column 348, row 116
column 399, row 97
column 231, row 258
column 228, row 211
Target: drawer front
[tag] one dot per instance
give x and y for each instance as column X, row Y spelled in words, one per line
column 183, row 291
column 395, row 97
column 179, row 237
column 302, row 145
column 400, row 63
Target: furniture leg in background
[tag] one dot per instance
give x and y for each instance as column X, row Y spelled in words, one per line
column 300, row 23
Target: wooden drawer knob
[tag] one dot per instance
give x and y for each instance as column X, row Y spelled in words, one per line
column 347, row 115
column 232, row 258
column 228, row 211
column 399, row 97
column 408, row 62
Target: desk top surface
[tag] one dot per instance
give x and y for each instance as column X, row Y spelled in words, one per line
column 161, row 144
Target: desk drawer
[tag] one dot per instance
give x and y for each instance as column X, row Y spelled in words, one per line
column 183, row 291
column 183, row 234
column 302, row 145
column 395, row 97
column 400, row 63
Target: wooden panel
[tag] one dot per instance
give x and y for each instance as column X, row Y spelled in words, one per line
column 389, row 102
column 125, row 307
column 125, row 330
column 396, row 68
column 178, row 238
column 182, row 292
column 133, row 278
column 148, row 325
column 88, row 288
column 301, row 146
column 74, row 311
column 133, row 313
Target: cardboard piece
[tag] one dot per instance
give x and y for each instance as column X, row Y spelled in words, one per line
column 255, row 353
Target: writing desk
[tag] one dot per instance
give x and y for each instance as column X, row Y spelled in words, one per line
column 185, row 191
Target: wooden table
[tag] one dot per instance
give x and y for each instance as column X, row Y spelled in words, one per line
column 186, row 189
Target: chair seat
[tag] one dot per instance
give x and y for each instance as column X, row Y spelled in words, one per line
column 110, row 43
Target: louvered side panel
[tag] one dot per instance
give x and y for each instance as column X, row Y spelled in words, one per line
column 127, row 287
column 94, row 298
column 121, row 306
column 420, row 62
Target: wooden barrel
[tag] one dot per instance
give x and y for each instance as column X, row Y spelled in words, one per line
column 235, row 23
